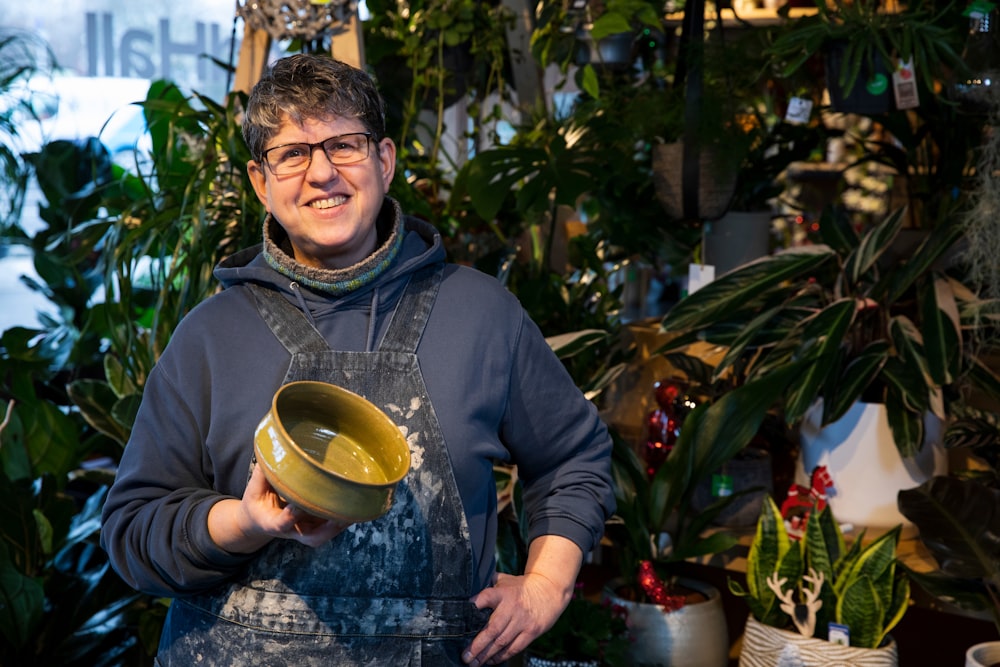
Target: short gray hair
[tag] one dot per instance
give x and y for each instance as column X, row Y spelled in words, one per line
column 310, row 87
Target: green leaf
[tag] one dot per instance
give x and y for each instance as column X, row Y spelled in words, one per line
column 589, row 81
column 941, row 333
column 117, row 377
column 958, row 520
column 861, row 610
column 769, row 546
column 821, row 339
column 940, row 240
column 854, row 380
column 22, row 602
column 907, row 427
column 95, row 399
column 872, row 246
column 744, row 285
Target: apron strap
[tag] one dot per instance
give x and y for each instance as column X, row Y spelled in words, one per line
column 289, row 324
column 407, row 324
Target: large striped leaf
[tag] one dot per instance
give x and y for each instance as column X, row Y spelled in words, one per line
column 941, row 333
column 854, row 380
column 907, row 427
column 818, row 350
column 872, row 246
column 736, row 289
column 896, row 283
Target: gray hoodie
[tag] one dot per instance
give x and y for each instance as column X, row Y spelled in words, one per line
column 497, row 389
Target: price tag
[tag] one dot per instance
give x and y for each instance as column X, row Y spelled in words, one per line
column 904, row 86
column 839, row 634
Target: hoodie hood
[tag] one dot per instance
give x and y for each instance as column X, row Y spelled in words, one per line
column 415, row 245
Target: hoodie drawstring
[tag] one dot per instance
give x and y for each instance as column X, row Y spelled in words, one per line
column 372, row 317
column 302, row 303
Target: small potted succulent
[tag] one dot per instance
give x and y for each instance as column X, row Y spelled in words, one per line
column 817, row 600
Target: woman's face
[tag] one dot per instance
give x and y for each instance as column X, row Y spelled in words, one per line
column 328, row 212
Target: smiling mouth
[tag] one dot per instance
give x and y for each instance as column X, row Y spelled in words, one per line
column 329, row 202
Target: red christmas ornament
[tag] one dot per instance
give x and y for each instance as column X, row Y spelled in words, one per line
column 656, row 590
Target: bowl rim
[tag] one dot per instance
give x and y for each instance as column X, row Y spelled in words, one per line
column 353, row 397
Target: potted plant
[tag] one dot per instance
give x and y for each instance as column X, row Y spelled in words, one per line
column 849, row 330
column 23, row 56
column 958, row 519
column 587, row 634
column 815, row 600
column 656, row 528
column 863, row 43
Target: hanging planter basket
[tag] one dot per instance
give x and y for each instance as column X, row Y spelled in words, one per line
column 295, row 19
column 715, row 184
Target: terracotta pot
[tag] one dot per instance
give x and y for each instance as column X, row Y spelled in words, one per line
column 986, row 654
column 693, row 636
column 864, row 463
column 766, row 646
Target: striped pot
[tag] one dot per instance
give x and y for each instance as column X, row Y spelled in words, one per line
column 766, row 646
column 535, row 661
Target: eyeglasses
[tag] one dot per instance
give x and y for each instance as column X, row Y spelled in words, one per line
column 341, row 150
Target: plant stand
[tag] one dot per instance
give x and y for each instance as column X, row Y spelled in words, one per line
column 767, row 646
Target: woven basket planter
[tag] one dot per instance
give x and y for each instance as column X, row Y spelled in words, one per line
column 766, row 646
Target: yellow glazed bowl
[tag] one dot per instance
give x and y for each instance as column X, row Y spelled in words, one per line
column 331, row 452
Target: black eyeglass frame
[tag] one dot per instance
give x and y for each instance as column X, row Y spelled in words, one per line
column 369, row 136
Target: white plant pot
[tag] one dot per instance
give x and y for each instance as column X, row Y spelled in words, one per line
column 693, row 636
column 986, row 654
column 766, row 646
column 865, row 465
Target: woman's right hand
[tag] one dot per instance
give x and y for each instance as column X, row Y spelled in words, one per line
column 244, row 526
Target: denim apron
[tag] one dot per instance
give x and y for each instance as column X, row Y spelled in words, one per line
column 393, row 591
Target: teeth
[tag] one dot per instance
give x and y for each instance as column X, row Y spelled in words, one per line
column 329, row 203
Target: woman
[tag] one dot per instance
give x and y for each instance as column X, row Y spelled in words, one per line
column 346, row 289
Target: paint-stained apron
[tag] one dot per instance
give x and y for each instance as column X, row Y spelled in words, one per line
column 393, row 591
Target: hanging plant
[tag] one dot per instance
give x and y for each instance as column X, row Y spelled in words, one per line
column 295, row 19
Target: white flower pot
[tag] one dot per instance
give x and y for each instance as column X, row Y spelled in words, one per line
column 986, row 654
column 865, row 465
column 693, row 636
column 766, row 646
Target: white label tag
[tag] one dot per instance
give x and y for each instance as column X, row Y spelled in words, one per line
column 904, row 86
column 799, row 110
column 839, row 634
column 699, row 275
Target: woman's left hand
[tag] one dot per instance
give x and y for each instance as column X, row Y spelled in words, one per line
column 523, row 607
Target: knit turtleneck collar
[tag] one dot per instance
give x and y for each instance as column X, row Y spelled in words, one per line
column 279, row 255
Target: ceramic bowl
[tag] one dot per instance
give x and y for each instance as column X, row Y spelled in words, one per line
column 331, row 452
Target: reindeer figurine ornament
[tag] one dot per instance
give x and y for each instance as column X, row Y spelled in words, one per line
column 803, row 614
